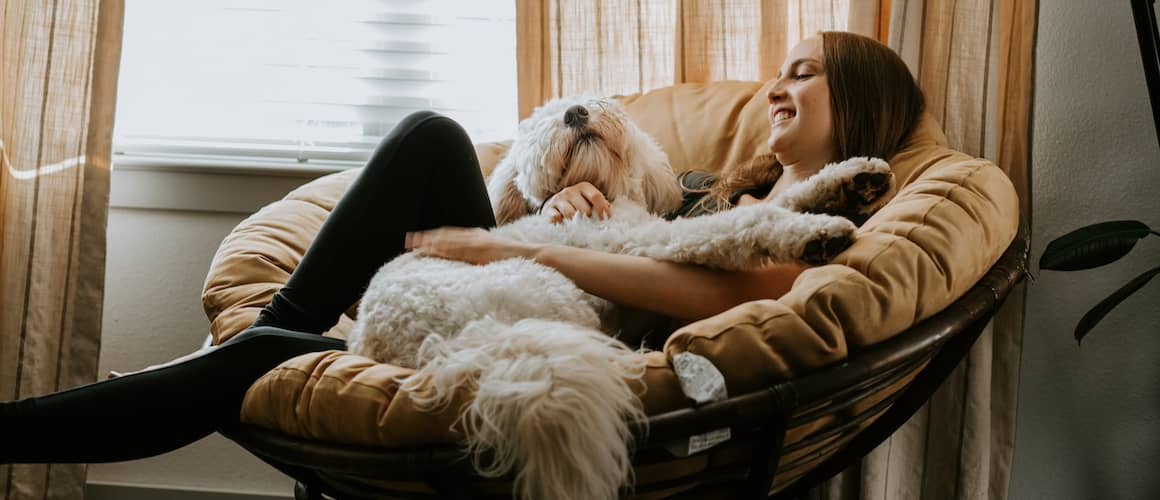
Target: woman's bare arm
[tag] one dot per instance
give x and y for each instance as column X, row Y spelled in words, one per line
column 682, row 291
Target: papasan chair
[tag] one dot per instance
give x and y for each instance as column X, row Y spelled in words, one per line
column 815, row 379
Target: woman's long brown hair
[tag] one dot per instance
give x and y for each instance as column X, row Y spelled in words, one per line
column 876, row 105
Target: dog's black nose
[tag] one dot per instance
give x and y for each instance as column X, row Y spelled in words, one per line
column 576, row 116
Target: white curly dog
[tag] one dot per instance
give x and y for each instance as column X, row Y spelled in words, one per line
column 553, row 399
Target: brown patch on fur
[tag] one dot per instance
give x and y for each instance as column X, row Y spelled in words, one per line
column 825, row 248
column 597, row 163
column 867, row 190
column 856, row 200
column 512, row 205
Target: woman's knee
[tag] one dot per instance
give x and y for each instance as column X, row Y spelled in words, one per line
column 425, row 140
column 430, row 127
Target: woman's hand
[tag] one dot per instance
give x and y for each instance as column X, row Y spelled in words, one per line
column 747, row 200
column 582, row 198
column 471, row 245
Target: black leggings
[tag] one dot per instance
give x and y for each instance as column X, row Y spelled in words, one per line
column 423, row 175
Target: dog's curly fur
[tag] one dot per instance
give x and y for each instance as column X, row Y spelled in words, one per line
column 607, row 150
column 552, row 396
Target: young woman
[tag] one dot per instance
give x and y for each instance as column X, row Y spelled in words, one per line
column 838, row 96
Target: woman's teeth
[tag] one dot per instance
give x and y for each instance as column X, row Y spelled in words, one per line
column 782, row 115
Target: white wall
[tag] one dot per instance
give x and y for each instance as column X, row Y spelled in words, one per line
column 156, row 266
column 157, row 262
column 1089, row 416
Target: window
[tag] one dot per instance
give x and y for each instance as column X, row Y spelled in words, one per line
column 308, row 81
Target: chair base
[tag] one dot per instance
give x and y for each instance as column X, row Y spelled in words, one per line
column 758, row 421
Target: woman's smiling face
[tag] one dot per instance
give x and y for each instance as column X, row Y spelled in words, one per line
column 802, row 123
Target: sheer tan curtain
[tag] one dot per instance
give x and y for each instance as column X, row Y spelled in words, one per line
column 973, row 59
column 57, row 88
column 605, row 47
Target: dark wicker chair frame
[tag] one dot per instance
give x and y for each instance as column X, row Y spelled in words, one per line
column 758, row 419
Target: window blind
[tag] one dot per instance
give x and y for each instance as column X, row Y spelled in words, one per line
column 308, row 81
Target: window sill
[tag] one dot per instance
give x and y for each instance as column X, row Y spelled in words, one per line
column 241, row 186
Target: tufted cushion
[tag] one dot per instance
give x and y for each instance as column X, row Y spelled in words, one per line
column 951, row 219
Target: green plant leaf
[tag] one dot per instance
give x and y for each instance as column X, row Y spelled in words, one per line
column 1089, row 320
column 1093, row 246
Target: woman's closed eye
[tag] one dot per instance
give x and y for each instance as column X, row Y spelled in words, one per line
column 803, row 76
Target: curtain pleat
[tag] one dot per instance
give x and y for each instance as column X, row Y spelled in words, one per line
column 774, row 38
column 57, row 92
column 1016, row 87
column 532, row 51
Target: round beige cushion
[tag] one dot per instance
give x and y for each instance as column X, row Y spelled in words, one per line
column 949, row 222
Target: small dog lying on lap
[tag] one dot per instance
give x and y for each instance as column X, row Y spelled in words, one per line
column 535, row 349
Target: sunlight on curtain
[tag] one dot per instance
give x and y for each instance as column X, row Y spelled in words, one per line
column 57, row 91
column 570, row 47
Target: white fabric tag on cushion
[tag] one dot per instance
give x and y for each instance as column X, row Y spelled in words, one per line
column 702, row 382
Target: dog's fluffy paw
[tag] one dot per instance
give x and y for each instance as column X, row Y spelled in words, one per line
column 854, row 188
column 825, row 247
column 818, row 238
column 867, row 189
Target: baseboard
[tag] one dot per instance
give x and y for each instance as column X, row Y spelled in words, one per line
column 116, row 491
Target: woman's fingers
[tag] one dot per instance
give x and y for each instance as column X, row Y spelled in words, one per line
column 563, row 210
column 413, row 240
column 579, row 204
column 582, row 198
column 471, row 245
column 557, row 214
column 747, row 200
column 600, row 206
column 424, row 242
column 567, row 204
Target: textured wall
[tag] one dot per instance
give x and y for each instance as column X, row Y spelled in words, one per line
column 157, row 260
column 1089, row 416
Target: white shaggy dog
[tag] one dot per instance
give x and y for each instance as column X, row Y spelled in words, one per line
column 567, row 141
column 553, row 398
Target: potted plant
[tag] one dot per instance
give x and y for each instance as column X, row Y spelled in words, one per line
column 1094, row 246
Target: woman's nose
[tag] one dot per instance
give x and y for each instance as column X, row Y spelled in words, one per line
column 776, row 92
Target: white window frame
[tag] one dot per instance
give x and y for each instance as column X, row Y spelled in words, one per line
column 226, row 184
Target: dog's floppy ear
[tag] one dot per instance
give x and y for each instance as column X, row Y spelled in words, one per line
column 662, row 192
column 511, row 204
column 508, row 203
